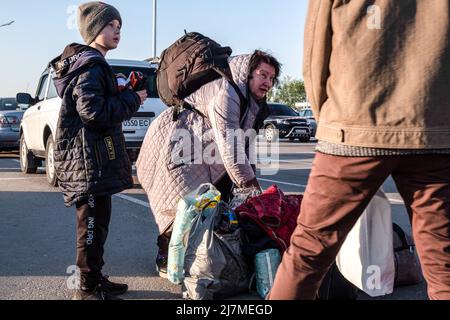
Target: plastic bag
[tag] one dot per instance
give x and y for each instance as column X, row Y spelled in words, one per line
column 266, row 266
column 214, row 266
column 202, row 201
column 366, row 258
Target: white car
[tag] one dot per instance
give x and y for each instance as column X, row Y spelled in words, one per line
column 38, row 126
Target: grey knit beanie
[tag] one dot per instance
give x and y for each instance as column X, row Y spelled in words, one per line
column 93, row 17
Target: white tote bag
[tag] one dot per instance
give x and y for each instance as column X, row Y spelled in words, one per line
column 366, row 258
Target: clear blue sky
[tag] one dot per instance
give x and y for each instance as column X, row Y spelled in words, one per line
column 42, row 29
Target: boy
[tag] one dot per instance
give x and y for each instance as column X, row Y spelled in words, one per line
column 90, row 157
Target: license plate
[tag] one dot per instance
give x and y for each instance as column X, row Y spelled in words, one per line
column 136, row 123
column 300, row 131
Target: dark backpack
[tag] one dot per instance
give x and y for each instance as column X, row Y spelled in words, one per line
column 187, row 65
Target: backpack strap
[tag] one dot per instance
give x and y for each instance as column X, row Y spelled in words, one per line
column 262, row 115
column 263, row 112
column 177, row 109
column 226, row 73
column 402, row 235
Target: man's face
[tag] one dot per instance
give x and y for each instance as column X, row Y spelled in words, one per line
column 109, row 38
column 262, row 80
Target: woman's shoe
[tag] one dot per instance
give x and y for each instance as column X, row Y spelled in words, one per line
column 161, row 265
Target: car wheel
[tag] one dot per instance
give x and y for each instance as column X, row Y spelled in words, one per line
column 271, row 133
column 28, row 162
column 50, row 162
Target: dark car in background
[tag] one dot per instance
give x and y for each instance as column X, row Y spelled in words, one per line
column 284, row 122
column 308, row 115
column 10, row 119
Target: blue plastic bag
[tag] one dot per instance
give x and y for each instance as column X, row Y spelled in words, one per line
column 266, row 266
column 203, row 200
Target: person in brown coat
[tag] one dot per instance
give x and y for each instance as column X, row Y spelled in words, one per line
column 377, row 74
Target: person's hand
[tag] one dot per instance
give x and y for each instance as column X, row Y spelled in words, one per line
column 142, row 95
column 253, row 184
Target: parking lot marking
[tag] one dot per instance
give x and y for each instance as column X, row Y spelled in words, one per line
column 39, row 168
column 8, row 179
column 269, row 160
column 389, row 195
column 133, row 200
column 393, row 198
column 284, row 183
column 147, row 205
column 395, row 201
column 305, row 152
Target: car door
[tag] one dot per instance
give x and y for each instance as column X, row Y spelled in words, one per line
column 50, row 110
column 32, row 119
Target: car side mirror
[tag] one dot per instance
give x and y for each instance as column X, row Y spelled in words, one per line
column 25, row 98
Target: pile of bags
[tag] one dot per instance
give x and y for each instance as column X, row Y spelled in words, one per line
column 219, row 250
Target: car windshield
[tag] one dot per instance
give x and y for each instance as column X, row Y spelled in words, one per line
column 8, row 104
column 148, row 72
column 281, row 110
column 306, row 113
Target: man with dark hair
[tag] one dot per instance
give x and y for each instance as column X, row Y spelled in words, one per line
column 167, row 181
column 380, row 94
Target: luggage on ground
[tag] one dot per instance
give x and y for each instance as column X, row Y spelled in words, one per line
column 268, row 221
column 214, row 266
column 366, row 258
column 201, row 201
column 266, row 266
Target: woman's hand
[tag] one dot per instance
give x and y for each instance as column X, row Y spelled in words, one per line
column 253, row 184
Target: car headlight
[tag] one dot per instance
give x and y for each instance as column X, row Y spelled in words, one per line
column 280, row 121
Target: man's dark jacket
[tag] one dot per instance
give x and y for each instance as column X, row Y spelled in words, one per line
column 90, row 154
